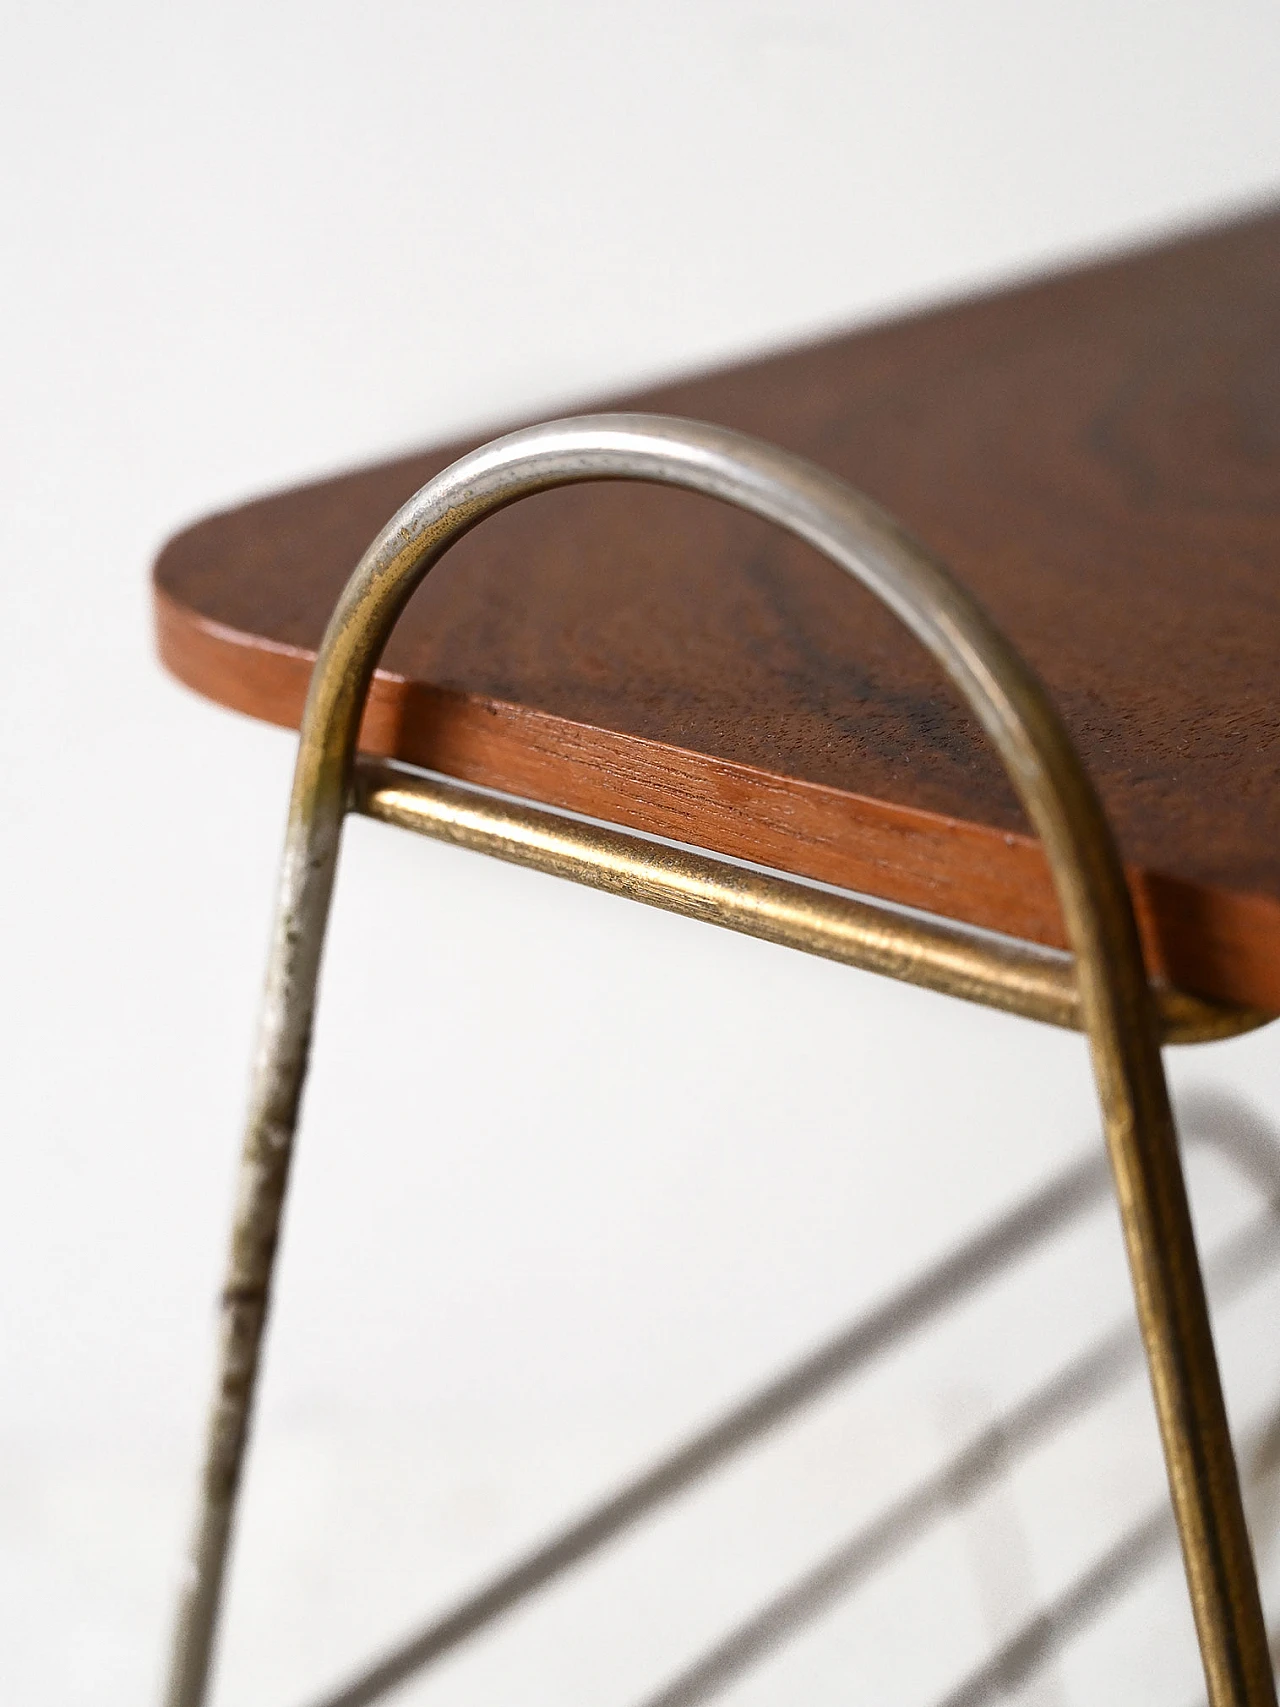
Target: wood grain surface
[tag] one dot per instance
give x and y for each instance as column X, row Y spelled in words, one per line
column 1097, row 455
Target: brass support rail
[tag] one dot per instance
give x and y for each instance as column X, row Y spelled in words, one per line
column 937, row 954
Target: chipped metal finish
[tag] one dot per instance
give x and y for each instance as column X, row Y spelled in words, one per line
column 1115, row 1004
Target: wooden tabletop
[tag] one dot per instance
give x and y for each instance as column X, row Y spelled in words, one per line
column 1097, row 455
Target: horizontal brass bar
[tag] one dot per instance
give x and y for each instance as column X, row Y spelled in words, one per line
column 936, row 954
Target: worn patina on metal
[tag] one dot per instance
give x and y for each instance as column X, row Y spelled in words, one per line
column 954, row 959
column 1103, row 988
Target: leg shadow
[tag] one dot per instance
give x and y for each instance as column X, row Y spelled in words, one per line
column 1215, row 1119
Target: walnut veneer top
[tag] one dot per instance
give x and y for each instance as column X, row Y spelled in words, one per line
column 1097, row 455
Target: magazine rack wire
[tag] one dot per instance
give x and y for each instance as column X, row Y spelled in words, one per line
column 1100, row 988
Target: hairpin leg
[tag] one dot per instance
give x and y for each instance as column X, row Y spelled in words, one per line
column 1114, row 997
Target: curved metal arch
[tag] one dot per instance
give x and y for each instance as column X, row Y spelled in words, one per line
column 1063, row 808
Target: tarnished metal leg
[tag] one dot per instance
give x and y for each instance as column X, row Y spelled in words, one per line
column 243, row 1315
column 283, row 1048
column 1116, row 1003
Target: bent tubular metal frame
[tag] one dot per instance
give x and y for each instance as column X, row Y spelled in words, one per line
column 1103, row 988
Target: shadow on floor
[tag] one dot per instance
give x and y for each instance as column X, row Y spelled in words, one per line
column 1212, row 1119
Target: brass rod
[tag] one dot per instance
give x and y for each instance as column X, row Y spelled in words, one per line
column 1117, row 1006
column 939, row 954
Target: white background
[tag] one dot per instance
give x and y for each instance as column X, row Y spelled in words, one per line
column 572, row 1175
